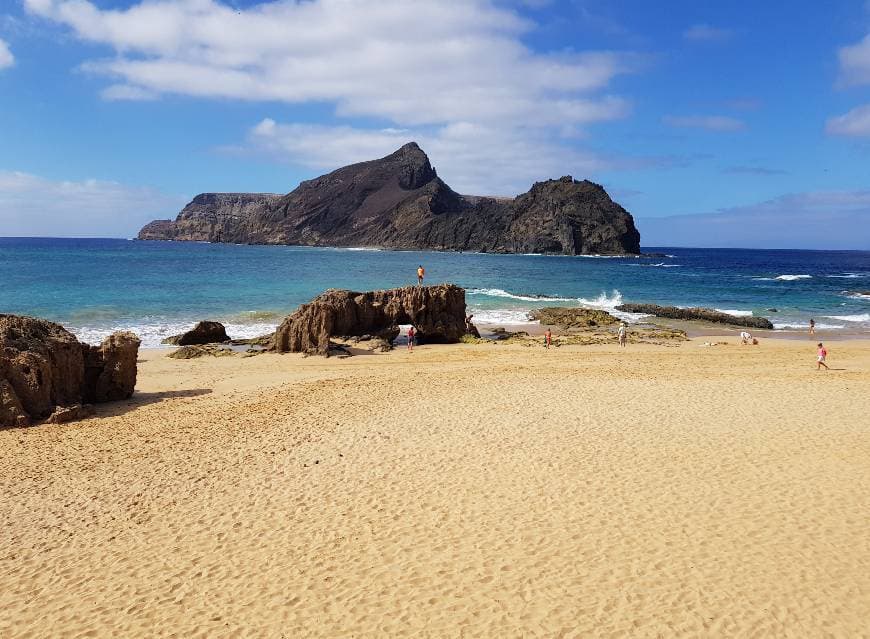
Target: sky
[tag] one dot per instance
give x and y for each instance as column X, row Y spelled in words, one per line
column 742, row 124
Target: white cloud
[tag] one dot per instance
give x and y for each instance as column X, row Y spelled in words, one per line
column 410, row 61
column 820, row 220
column 35, row 206
column 709, row 122
column 855, row 63
column 472, row 158
column 706, row 33
column 6, row 57
column 855, row 123
column 450, row 74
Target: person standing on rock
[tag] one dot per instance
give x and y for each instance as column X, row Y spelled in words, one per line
column 411, row 334
column 421, row 272
column 622, row 334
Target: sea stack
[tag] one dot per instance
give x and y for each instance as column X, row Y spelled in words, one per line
column 399, row 202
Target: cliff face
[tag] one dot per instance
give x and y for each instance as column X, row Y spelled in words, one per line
column 400, row 202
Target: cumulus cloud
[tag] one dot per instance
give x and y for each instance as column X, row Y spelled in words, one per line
column 706, row 33
column 449, row 74
column 31, row 205
column 410, row 61
column 6, row 57
column 708, row 122
column 855, row 63
column 855, row 123
column 820, row 220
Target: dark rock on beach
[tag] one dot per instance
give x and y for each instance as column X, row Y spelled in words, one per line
column 193, row 351
column 46, row 373
column 572, row 317
column 399, row 202
column 702, row 314
column 437, row 313
column 205, row 332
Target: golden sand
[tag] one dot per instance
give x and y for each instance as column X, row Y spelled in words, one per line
column 491, row 491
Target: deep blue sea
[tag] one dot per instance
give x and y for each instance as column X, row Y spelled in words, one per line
column 96, row 286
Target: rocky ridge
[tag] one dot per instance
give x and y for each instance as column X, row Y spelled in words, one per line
column 702, row 314
column 399, row 202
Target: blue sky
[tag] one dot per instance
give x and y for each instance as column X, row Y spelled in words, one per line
column 715, row 124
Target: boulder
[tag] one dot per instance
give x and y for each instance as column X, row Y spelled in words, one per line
column 206, row 332
column 42, row 362
column 44, row 368
column 702, row 314
column 110, row 368
column 572, row 317
column 437, row 313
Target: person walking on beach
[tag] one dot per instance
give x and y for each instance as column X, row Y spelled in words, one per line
column 622, row 334
column 411, row 334
column 421, row 272
column 822, row 355
column 812, row 326
column 548, row 338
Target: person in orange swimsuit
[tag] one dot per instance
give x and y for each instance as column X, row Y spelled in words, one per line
column 420, row 273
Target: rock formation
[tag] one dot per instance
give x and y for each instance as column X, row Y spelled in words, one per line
column 110, row 368
column 572, row 317
column 437, row 313
column 703, row 314
column 400, row 202
column 46, row 374
column 205, row 332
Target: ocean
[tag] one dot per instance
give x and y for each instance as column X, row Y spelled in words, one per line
column 96, row 286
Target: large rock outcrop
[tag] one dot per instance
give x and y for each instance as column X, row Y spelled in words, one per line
column 702, row 314
column 45, row 371
column 437, row 313
column 400, row 202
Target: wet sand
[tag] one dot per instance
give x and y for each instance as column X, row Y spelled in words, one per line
column 470, row 490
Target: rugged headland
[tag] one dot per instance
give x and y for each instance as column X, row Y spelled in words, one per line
column 399, row 202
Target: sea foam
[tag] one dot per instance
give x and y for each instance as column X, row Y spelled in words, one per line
column 861, row 317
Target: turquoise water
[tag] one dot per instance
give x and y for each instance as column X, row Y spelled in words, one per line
column 95, row 286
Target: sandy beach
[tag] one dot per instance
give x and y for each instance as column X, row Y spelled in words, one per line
column 468, row 490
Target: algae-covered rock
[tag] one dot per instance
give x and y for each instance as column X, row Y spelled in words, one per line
column 572, row 317
column 200, row 350
column 703, row 314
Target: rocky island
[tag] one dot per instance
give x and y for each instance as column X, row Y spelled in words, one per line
column 399, row 202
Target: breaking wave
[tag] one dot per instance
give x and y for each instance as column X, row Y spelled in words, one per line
column 792, row 278
column 735, row 313
column 152, row 333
